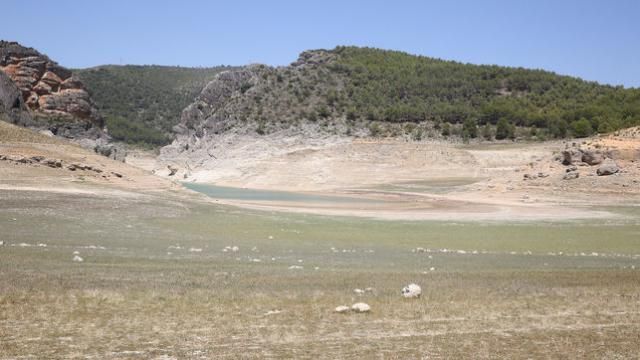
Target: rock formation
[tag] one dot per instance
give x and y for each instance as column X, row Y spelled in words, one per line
column 50, row 92
column 248, row 99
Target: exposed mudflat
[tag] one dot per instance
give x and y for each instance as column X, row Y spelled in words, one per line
column 414, row 180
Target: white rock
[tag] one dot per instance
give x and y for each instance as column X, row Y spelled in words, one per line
column 235, row 249
column 411, row 291
column 78, row 259
column 195, row 249
column 76, row 252
column 342, row 309
column 361, row 307
column 295, row 267
column 358, row 291
column 1, row 243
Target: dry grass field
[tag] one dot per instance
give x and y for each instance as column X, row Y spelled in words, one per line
column 156, row 283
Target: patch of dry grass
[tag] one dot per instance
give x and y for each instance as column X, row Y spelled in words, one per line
column 132, row 299
column 13, row 133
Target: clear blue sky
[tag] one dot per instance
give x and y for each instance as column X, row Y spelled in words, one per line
column 594, row 40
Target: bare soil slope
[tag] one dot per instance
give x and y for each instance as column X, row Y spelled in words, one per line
column 33, row 161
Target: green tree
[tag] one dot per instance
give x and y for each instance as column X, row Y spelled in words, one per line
column 503, row 129
column 486, row 132
column 581, row 128
column 446, row 129
column 470, row 129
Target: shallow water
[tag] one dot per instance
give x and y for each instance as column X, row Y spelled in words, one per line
column 430, row 186
column 232, row 193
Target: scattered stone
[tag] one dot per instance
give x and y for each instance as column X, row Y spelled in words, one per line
column 342, row 309
column 571, row 176
column 571, row 156
column 530, row 176
column 592, row 157
column 609, row 167
column 571, row 168
column 542, row 175
column 295, row 267
column 53, row 163
column 77, row 258
column 172, row 170
column 411, row 291
column 361, row 307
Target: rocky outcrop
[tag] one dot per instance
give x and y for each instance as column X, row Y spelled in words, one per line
column 256, row 100
column 50, row 92
column 577, row 155
column 39, row 160
column 208, row 112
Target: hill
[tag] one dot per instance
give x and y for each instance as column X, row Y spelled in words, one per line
column 372, row 92
column 142, row 103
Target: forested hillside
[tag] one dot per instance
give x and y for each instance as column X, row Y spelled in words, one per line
column 371, row 92
column 142, row 103
column 396, row 87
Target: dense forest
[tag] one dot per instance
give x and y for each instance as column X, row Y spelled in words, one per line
column 142, row 103
column 391, row 86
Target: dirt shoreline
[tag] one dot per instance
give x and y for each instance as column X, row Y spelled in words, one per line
column 412, row 181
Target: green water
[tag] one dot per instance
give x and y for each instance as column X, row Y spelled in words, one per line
column 232, row 193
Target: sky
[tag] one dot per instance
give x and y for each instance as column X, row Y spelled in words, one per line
column 593, row 40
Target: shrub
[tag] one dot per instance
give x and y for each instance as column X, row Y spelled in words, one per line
column 581, row 128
